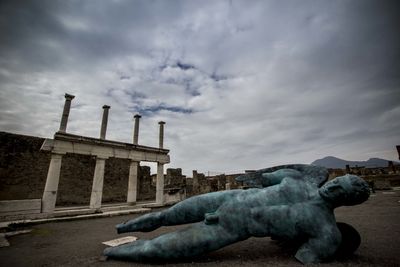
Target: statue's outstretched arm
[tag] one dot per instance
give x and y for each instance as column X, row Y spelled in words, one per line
column 320, row 248
column 270, row 176
column 187, row 211
column 276, row 177
column 265, row 179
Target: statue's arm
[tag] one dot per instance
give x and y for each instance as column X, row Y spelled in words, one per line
column 265, row 178
column 321, row 247
column 276, row 177
column 271, row 176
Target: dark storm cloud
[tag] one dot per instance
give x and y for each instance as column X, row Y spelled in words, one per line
column 256, row 82
column 147, row 111
column 46, row 33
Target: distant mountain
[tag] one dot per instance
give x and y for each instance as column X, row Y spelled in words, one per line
column 336, row 163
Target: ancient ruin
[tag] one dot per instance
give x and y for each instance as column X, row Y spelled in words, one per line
column 102, row 149
column 72, row 170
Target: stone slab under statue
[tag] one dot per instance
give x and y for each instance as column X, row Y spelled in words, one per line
column 290, row 203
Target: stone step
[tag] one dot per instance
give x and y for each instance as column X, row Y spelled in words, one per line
column 72, row 217
column 73, row 212
column 117, row 208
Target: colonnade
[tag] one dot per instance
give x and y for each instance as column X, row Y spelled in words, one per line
column 102, row 149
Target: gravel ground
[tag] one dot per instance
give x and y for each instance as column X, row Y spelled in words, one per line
column 78, row 243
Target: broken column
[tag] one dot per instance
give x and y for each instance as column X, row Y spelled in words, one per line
column 67, row 107
column 136, row 129
column 132, row 183
column 104, row 122
column 50, row 190
column 97, row 187
column 161, row 140
column 160, row 183
column 160, row 169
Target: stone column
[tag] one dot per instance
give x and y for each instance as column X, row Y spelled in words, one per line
column 50, row 190
column 132, row 183
column 161, row 141
column 136, row 129
column 97, row 188
column 160, row 183
column 64, row 118
column 104, row 121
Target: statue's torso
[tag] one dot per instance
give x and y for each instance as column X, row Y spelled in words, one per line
column 290, row 210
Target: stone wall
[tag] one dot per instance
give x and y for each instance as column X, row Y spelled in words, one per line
column 23, row 168
column 201, row 184
column 174, row 179
column 23, row 172
column 146, row 188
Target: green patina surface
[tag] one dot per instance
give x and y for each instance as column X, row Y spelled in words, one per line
column 289, row 202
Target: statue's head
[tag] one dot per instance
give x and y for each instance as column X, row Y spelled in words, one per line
column 345, row 190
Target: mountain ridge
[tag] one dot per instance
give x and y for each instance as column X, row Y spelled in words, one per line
column 338, row 163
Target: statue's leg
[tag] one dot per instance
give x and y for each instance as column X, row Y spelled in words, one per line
column 188, row 211
column 194, row 240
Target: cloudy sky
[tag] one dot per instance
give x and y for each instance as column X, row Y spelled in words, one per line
column 240, row 84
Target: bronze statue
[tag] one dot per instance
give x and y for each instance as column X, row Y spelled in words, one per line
column 292, row 202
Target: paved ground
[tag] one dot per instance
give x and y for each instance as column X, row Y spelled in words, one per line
column 78, row 243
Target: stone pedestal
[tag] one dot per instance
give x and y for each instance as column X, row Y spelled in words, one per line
column 97, row 188
column 160, row 184
column 132, row 183
column 53, row 177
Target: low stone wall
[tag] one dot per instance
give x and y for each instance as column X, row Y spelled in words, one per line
column 19, row 208
column 23, row 168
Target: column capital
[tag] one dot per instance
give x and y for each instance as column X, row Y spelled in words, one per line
column 106, row 107
column 69, row 97
column 137, row 116
column 161, row 122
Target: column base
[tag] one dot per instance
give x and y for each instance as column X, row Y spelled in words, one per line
column 49, row 201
